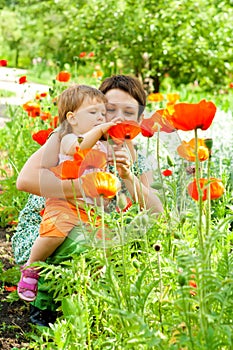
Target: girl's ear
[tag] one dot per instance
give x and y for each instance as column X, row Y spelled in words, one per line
column 71, row 118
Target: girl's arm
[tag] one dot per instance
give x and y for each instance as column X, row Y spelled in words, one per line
column 91, row 137
column 88, row 140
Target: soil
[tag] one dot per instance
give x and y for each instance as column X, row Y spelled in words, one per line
column 14, row 316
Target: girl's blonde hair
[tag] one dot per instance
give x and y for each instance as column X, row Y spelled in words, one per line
column 71, row 100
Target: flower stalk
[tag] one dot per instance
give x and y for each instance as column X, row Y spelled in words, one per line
column 200, row 194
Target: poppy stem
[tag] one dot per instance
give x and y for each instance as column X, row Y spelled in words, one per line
column 208, row 211
column 200, row 194
column 77, row 208
column 134, row 184
column 208, row 205
column 103, row 228
column 160, row 173
column 163, row 190
column 147, row 146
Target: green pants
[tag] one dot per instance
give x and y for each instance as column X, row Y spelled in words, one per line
column 73, row 245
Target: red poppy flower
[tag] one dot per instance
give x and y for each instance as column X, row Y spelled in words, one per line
column 3, row 63
column 231, row 85
column 100, row 183
column 167, row 172
column 10, row 288
column 32, row 108
column 126, row 130
column 63, row 76
column 147, row 127
column 191, row 116
column 89, row 159
column 216, row 188
column 160, row 118
column 23, row 79
column 54, row 122
column 82, row 54
column 67, row 170
column 41, row 136
column 34, row 112
column 193, row 285
column 45, row 115
column 91, row 54
column 187, row 150
column 41, row 95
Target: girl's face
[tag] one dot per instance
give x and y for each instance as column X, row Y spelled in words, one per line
column 121, row 104
column 90, row 114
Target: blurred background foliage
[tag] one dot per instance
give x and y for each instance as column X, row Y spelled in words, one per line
column 187, row 40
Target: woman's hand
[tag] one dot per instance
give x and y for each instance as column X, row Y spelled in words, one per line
column 121, row 156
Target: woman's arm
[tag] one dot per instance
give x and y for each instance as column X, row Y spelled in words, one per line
column 35, row 176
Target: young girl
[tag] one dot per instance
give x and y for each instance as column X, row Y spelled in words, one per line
column 81, row 111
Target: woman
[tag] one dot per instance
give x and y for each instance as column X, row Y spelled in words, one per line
column 127, row 100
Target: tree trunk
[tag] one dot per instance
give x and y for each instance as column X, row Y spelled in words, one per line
column 16, row 57
column 156, row 83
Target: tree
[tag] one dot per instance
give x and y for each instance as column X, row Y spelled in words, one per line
column 186, row 39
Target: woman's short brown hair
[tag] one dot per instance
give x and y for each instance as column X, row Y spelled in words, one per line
column 129, row 84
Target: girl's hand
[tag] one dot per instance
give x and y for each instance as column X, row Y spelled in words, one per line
column 105, row 126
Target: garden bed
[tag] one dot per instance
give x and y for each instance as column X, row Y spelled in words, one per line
column 14, row 315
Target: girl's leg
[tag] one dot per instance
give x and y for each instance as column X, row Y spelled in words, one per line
column 41, row 249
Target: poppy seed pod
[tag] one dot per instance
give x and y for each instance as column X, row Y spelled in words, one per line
column 157, row 247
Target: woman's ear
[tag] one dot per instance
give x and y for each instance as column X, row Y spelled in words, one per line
column 71, row 118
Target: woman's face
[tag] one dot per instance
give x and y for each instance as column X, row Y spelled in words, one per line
column 121, row 104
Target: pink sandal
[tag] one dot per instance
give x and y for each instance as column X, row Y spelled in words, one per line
column 27, row 286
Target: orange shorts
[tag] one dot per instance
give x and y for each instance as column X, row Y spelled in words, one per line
column 60, row 217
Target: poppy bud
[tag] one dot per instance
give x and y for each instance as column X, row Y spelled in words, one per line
column 167, row 172
column 157, row 247
column 209, row 143
column 182, row 218
column 145, row 219
column 136, row 263
column 156, row 185
column 169, row 161
column 177, row 235
column 181, row 280
column 122, row 201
